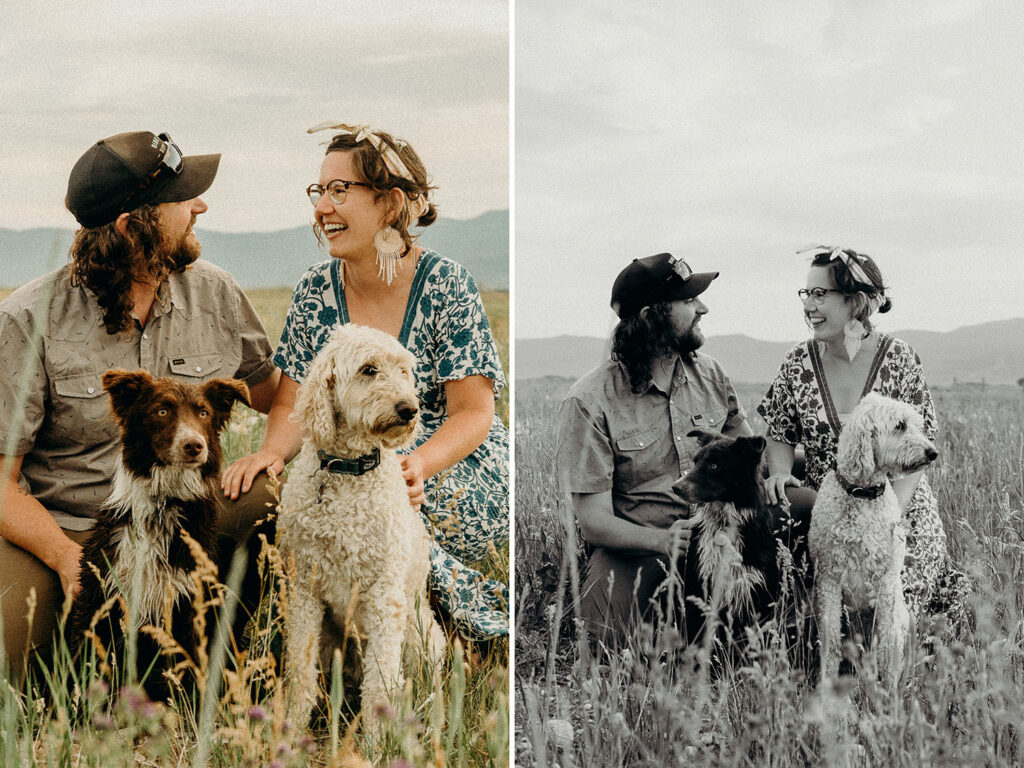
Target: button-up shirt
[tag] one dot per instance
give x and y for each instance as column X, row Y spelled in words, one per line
column 636, row 445
column 201, row 326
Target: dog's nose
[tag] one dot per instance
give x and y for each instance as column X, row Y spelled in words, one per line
column 931, row 454
column 406, row 411
column 193, row 448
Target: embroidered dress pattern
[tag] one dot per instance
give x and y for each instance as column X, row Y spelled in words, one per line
column 798, row 408
column 446, row 328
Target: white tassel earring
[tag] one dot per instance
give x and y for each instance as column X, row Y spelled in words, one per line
column 853, row 335
column 389, row 244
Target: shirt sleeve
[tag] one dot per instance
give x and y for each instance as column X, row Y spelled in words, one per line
column 583, row 450
column 778, row 408
column 465, row 345
column 23, row 387
column 735, row 413
column 256, row 364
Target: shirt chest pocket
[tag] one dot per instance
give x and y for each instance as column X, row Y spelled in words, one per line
column 641, row 455
column 81, row 410
column 710, row 419
column 196, row 367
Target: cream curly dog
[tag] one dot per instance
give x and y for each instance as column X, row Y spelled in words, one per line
column 856, row 539
column 355, row 549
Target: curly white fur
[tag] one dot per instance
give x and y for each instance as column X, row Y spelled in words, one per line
column 355, row 548
column 858, row 545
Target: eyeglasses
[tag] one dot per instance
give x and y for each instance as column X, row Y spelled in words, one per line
column 680, row 268
column 337, row 190
column 817, row 295
column 171, row 161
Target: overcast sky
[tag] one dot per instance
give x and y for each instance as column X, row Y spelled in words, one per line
column 246, row 79
column 735, row 133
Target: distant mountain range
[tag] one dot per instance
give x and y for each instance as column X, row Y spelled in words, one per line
column 990, row 352
column 269, row 259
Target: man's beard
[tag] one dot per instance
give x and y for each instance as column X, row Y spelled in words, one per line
column 688, row 343
column 181, row 254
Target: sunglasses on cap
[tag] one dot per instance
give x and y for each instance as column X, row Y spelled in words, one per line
column 680, row 268
column 171, row 162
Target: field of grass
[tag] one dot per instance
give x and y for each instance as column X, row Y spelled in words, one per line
column 961, row 701
column 459, row 717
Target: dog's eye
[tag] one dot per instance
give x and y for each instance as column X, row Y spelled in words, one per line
column 712, row 465
column 368, row 370
column 204, row 414
column 162, row 412
column 901, row 427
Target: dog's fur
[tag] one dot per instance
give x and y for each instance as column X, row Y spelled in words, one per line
column 164, row 488
column 732, row 571
column 858, row 544
column 355, row 549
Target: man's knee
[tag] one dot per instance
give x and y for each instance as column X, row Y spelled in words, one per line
column 237, row 519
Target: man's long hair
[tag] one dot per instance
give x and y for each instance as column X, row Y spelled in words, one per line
column 640, row 339
column 106, row 262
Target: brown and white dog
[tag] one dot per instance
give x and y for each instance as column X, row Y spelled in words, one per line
column 164, row 488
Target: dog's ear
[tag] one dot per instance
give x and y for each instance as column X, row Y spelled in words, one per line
column 314, row 405
column 703, row 436
column 755, row 445
column 222, row 394
column 855, row 456
column 125, row 388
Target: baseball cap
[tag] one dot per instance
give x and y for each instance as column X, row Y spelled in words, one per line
column 654, row 279
column 129, row 170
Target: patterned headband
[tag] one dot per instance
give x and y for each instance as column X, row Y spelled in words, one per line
column 417, row 206
column 850, row 260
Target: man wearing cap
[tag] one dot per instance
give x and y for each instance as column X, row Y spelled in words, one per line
column 622, row 439
column 133, row 296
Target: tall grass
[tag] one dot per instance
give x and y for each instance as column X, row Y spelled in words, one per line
column 62, row 714
column 961, row 701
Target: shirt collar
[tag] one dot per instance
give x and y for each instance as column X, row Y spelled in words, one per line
column 667, row 370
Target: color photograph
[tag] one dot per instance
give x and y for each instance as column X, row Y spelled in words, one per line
column 254, row 325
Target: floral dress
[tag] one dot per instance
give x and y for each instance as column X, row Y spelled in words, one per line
column 798, row 408
column 446, row 328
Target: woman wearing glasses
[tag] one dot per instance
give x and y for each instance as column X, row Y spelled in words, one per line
column 373, row 188
column 819, row 384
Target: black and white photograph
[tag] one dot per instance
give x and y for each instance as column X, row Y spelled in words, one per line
column 768, row 422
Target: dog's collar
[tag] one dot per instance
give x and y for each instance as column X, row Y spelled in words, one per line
column 339, row 466
column 860, row 491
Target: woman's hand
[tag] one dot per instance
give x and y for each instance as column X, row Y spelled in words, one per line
column 238, row 478
column 412, row 472
column 776, row 485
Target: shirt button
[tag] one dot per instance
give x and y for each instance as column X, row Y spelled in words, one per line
column 145, row 335
column 641, row 443
column 198, row 369
column 90, row 390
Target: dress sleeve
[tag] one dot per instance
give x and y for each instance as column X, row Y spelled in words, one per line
column 778, row 408
column 915, row 391
column 308, row 312
column 583, row 450
column 20, row 418
column 465, row 345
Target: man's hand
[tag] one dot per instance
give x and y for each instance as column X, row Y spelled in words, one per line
column 677, row 541
column 69, row 569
